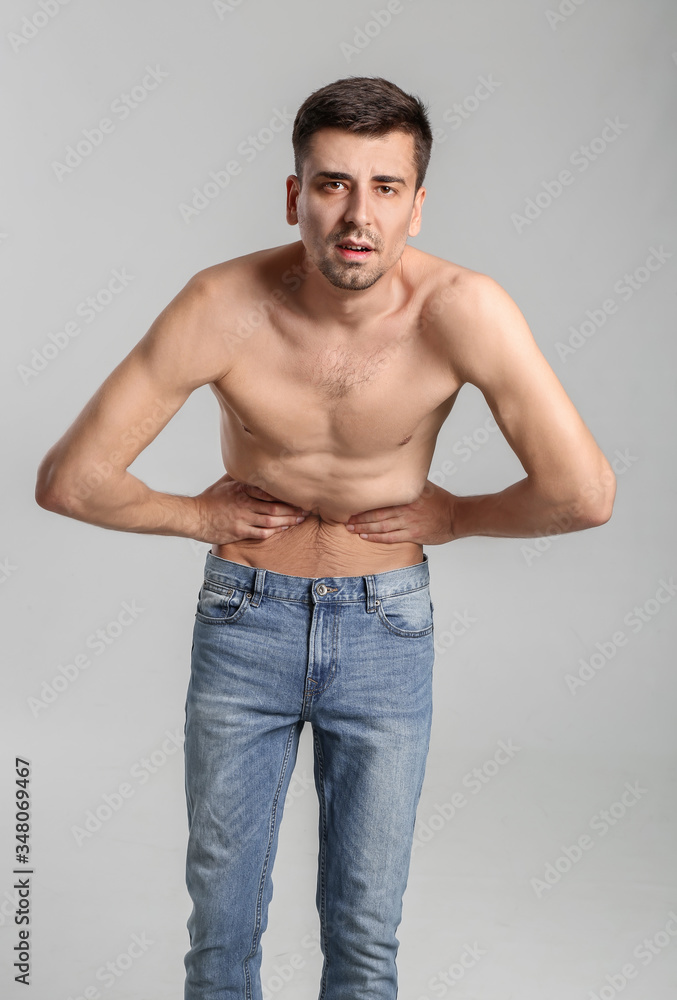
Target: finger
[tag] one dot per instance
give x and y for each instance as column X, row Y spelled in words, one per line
column 277, row 507
column 385, row 536
column 386, row 524
column 379, row 514
column 253, row 531
column 266, row 520
column 257, row 493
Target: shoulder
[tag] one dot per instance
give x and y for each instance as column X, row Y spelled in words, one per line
column 200, row 329
column 233, row 274
column 474, row 318
column 235, row 291
column 219, row 296
column 448, row 289
column 457, row 291
column 228, row 277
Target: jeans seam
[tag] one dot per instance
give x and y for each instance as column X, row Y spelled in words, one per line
column 264, row 871
column 322, row 864
column 403, row 633
column 233, row 619
column 333, row 662
column 406, row 635
column 336, row 600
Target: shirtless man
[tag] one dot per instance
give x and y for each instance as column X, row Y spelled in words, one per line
column 334, row 370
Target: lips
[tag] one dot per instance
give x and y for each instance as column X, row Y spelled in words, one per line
column 354, row 251
column 355, row 245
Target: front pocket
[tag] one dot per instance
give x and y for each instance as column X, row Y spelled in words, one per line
column 217, row 605
column 409, row 615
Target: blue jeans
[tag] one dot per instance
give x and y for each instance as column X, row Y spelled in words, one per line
column 353, row 656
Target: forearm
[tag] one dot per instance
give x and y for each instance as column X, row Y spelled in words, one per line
column 522, row 511
column 125, row 503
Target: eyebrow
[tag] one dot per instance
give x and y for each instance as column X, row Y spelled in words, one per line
column 337, row 176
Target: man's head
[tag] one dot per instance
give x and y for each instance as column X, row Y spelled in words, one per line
column 361, row 151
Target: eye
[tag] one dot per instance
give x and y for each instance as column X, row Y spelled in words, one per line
column 385, row 187
column 332, row 182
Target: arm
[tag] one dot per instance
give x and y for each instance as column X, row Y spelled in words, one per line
column 569, row 483
column 84, row 475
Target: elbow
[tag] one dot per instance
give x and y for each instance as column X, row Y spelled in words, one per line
column 54, row 502
column 595, row 516
column 50, row 499
column 45, row 494
column 52, row 493
column 596, row 503
column 44, row 499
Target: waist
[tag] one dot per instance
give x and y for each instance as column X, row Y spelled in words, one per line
column 260, row 582
column 316, row 548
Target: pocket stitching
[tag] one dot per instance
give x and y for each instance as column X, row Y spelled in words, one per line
column 419, row 633
column 228, row 592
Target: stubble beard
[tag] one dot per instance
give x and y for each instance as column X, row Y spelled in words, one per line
column 349, row 275
column 352, row 275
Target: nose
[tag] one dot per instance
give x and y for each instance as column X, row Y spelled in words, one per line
column 357, row 209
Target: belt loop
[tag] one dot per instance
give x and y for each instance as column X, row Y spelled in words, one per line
column 371, row 593
column 258, row 588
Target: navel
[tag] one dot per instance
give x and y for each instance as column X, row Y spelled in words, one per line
column 246, row 429
column 406, row 439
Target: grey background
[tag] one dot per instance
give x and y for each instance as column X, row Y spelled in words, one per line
column 537, row 611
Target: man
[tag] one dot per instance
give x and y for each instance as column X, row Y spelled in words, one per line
column 335, row 361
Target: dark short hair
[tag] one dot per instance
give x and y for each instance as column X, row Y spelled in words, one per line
column 365, row 105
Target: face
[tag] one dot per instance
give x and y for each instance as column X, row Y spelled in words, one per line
column 359, row 189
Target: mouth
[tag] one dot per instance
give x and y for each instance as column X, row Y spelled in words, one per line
column 354, row 251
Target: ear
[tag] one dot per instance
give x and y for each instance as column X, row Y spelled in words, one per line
column 415, row 223
column 293, row 191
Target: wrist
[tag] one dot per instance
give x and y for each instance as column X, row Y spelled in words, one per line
column 459, row 509
column 171, row 514
column 454, row 518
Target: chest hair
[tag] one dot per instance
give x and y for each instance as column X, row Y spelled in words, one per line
column 337, row 372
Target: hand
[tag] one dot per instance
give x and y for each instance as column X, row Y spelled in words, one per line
column 230, row 510
column 426, row 520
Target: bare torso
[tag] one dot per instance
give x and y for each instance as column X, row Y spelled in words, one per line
column 335, row 423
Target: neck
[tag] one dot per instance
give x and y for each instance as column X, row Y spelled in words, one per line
column 323, row 302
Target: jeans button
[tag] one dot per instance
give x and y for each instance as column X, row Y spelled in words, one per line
column 322, row 590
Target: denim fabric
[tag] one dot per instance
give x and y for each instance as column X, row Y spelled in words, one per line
column 354, row 657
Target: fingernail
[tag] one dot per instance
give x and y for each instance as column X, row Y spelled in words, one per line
column 305, row 512
column 350, row 527
column 299, row 519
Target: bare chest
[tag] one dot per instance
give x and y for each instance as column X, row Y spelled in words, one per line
column 337, row 395
column 340, row 372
